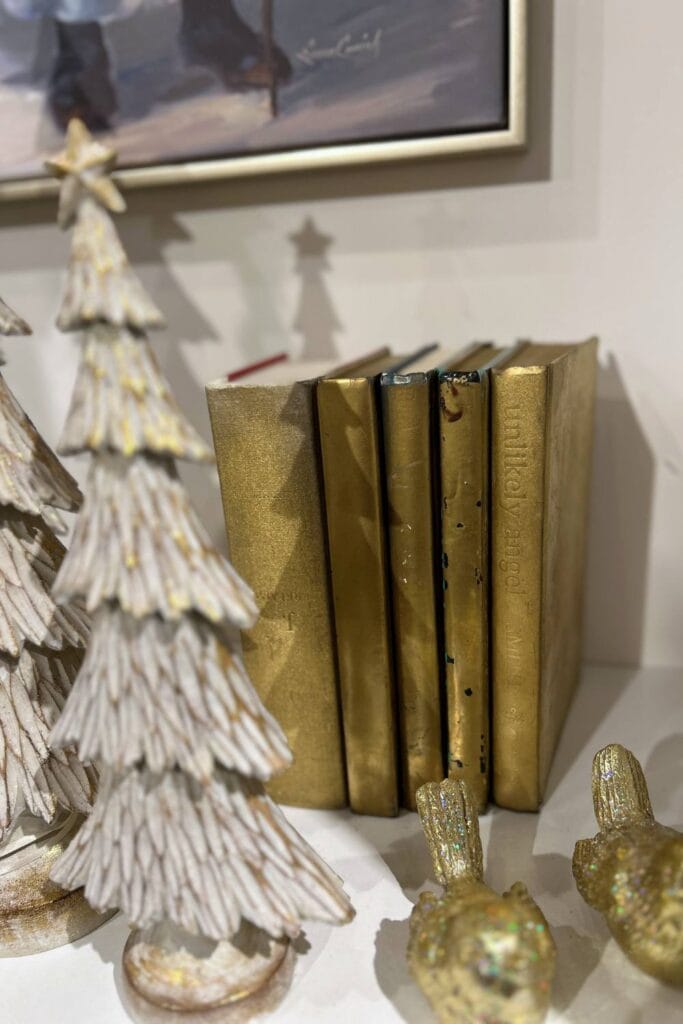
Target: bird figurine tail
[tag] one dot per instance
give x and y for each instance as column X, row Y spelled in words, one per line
column 620, row 795
column 451, row 826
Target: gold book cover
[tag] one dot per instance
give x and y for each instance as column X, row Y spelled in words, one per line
column 266, row 440
column 410, row 476
column 406, row 402
column 464, row 453
column 350, row 445
column 350, row 431
column 542, row 433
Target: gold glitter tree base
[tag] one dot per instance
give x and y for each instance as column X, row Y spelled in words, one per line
column 35, row 914
column 171, row 976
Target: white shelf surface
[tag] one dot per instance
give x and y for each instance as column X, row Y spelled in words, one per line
column 358, row 973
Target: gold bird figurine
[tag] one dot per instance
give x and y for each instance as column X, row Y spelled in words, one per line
column 479, row 958
column 632, row 871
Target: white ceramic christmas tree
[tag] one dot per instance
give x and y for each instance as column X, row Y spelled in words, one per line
column 43, row 792
column 182, row 837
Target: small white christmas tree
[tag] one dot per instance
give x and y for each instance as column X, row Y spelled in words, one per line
column 41, row 645
column 182, row 830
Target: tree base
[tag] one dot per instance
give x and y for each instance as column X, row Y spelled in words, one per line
column 35, row 914
column 171, row 976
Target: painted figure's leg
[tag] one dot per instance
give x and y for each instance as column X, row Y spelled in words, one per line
column 81, row 84
column 214, row 36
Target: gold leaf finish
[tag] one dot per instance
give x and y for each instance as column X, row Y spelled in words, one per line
column 407, row 424
column 349, row 441
column 541, row 438
column 478, row 957
column 277, row 541
column 632, row 870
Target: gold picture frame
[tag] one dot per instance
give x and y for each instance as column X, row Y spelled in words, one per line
column 512, row 136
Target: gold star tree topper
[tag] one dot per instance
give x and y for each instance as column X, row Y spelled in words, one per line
column 84, row 165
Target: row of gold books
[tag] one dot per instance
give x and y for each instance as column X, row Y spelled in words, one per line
column 414, row 530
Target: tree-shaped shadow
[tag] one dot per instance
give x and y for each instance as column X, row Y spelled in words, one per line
column 316, row 319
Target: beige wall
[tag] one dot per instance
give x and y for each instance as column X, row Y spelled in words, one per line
column 581, row 234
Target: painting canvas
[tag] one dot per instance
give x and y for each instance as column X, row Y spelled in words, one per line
column 179, row 81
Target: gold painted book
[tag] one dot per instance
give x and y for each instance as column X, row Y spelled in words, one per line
column 409, row 450
column 354, row 501
column 266, row 440
column 463, row 476
column 542, row 431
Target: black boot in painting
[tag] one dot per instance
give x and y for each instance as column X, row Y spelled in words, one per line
column 214, row 36
column 81, row 84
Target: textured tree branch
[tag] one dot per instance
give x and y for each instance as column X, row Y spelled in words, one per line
column 171, row 694
column 202, row 856
column 38, row 661
column 10, row 323
column 138, row 541
column 29, row 559
column 32, row 479
column 101, row 286
column 33, row 689
column 122, row 402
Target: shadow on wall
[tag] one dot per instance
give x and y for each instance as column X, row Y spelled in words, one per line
column 315, row 318
column 620, row 522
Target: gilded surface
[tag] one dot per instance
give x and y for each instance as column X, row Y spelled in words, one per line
column 353, row 497
column 632, row 870
column 410, row 514
column 276, row 532
column 480, row 958
column 35, row 914
column 542, row 423
column 464, row 454
column 183, row 973
column 170, row 978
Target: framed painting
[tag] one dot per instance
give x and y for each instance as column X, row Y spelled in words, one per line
column 199, row 89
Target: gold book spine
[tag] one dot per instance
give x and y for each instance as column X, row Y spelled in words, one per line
column 353, row 501
column 464, row 495
column 267, row 453
column 571, row 400
column 408, row 470
column 519, row 419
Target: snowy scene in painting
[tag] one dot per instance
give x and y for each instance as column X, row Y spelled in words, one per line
column 176, row 80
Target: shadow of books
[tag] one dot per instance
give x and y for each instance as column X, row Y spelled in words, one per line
column 620, row 518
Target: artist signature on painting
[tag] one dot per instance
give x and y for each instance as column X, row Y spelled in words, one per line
column 345, row 48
